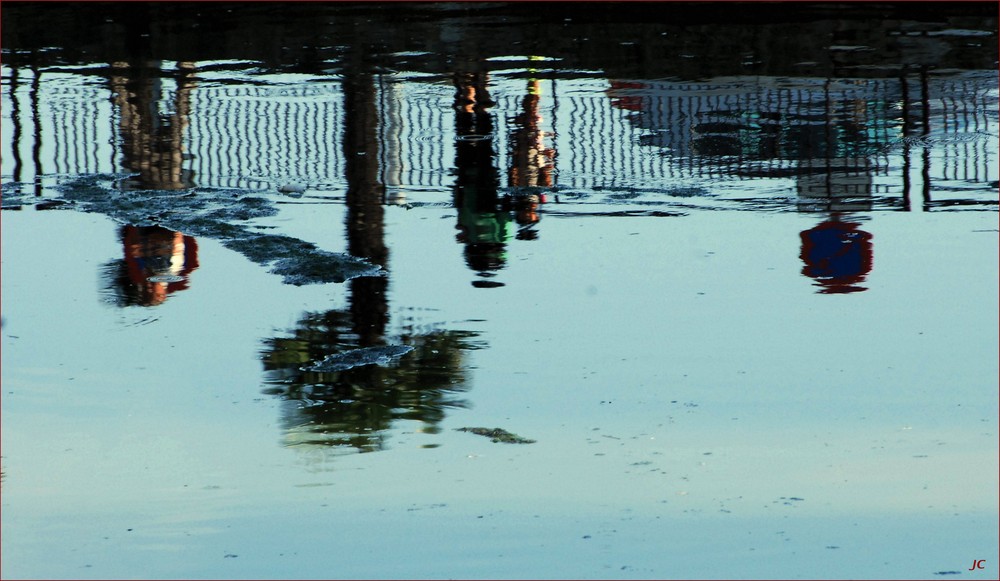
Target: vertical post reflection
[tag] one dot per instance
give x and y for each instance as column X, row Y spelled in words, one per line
column 365, row 192
column 15, row 114
column 904, row 89
column 925, row 158
column 152, row 143
column 36, row 120
column 532, row 163
column 482, row 221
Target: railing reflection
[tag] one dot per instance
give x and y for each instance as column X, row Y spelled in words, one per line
column 919, row 141
column 924, row 135
column 879, row 130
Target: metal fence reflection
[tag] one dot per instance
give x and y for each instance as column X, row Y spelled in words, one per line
column 903, row 134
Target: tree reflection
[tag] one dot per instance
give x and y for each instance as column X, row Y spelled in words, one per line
column 352, row 409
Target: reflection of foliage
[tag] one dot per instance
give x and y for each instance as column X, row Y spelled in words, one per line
column 353, row 407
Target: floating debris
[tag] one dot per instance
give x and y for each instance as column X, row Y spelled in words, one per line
column 165, row 278
column 498, row 435
column 359, row 357
column 291, row 188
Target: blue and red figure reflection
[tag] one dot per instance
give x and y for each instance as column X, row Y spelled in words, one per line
column 838, row 255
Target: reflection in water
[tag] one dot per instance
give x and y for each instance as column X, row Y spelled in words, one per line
column 484, row 215
column 364, row 199
column 838, row 255
column 353, row 408
column 765, row 127
column 867, row 111
column 835, row 191
column 153, row 142
column 532, row 163
column 483, row 222
column 157, row 262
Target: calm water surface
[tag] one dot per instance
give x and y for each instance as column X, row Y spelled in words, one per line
column 732, row 273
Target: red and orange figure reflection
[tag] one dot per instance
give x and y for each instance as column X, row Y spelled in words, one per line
column 158, row 261
column 532, row 163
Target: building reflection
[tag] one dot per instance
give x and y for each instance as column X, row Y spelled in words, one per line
column 157, row 263
column 826, row 136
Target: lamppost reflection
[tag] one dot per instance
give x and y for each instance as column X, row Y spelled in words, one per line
column 532, row 166
column 484, row 223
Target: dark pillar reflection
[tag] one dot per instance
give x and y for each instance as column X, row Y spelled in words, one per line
column 153, row 143
column 925, row 130
column 36, row 119
column 904, row 89
column 15, row 116
column 365, row 195
column 916, row 130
